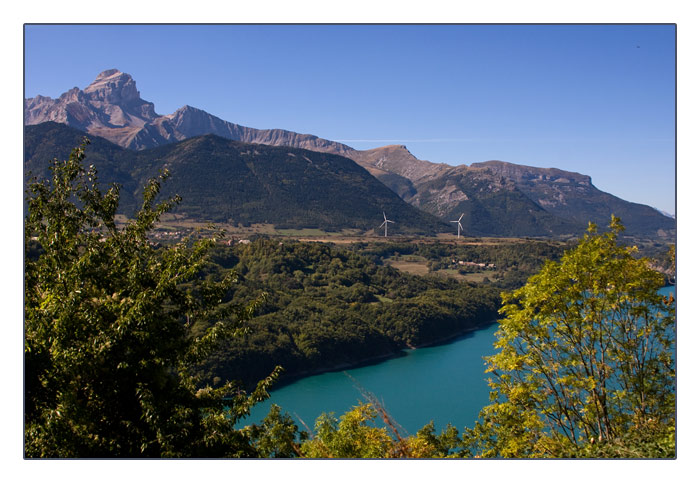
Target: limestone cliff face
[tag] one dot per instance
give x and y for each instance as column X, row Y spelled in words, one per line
column 111, row 107
column 551, row 188
column 113, row 87
column 524, row 174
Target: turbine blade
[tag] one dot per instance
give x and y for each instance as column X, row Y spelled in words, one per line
column 460, row 218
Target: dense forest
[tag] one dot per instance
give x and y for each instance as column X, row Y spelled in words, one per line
column 328, row 306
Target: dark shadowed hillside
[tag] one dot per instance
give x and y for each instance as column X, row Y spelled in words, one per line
column 229, row 181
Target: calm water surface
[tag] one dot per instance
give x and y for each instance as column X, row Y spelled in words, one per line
column 444, row 383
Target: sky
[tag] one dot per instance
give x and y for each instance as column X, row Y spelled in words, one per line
column 594, row 99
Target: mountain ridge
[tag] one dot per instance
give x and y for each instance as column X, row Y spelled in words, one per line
column 111, row 107
column 226, row 181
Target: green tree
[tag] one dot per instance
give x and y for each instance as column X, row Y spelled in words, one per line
column 357, row 434
column 426, row 444
column 277, row 436
column 108, row 345
column 350, row 437
column 585, row 367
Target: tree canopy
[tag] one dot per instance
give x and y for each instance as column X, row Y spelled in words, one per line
column 586, row 365
column 108, row 345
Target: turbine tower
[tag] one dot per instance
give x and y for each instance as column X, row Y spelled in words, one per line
column 459, row 225
column 385, row 224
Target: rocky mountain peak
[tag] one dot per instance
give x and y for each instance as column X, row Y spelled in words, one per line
column 186, row 110
column 109, row 73
column 113, row 87
column 396, row 159
column 71, row 95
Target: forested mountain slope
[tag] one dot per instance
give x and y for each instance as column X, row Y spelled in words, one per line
column 228, row 181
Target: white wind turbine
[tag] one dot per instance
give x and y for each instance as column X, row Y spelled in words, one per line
column 459, row 225
column 386, row 223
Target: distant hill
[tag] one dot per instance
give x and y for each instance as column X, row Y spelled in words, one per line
column 228, row 181
column 498, row 198
column 572, row 196
column 50, row 140
column 508, row 199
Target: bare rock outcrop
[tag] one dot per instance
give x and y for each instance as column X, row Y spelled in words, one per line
column 111, row 107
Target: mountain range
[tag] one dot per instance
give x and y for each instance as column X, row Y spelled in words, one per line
column 497, row 198
column 221, row 180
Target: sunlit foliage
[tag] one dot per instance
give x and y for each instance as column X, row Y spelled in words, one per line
column 586, row 364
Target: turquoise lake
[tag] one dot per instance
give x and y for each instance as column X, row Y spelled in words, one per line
column 446, row 383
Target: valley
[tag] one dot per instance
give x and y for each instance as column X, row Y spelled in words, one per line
column 340, row 302
column 334, row 305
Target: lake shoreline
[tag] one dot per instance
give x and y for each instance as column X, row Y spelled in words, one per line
column 445, row 383
column 378, row 359
column 454, row 337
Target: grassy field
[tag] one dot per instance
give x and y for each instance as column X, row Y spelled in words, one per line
column 174, row 222
column 417, row 265
column 468, row 277
column 415, row 268
column 304, row 232
column 179, row 223
column 409, row 263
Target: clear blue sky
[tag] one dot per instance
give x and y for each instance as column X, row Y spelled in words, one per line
column 595, row 99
